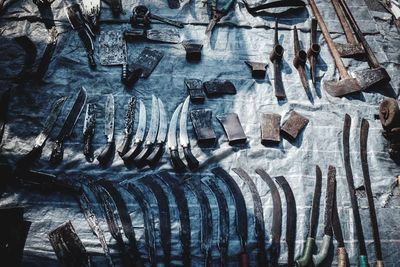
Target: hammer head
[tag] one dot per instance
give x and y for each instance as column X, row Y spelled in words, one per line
column 370, row 77
column 350, row 50
column 342, row 87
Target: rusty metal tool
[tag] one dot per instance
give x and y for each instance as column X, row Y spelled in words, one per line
column 276, row 59
column 141, row 16
column 299, row 62
column 314, row 50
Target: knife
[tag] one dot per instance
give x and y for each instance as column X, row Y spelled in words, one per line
column 193, row 163
column 4, row 101
column 158, row 149
column 176, row 161
column 129, row 117
column 107, row 151
column 27, row 161
column 88, row 131
column 66, row 130
column 140, row 160
column 141, row 128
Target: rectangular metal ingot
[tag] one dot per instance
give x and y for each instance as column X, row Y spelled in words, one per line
column 270, row 128
column 202, row 124
column 293, row 125
column 195, row 90
column 233, row 128
column 193, row 51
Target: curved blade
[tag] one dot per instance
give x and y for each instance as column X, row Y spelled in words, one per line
column 130, row 115
column 51, row 119
column 330, row 195
column 172, row 143
column 155, row 119
column 183, row 135
column 73, row 115
column 141, row 128
column 163, row 125
column 109, row 118
column 315, row 203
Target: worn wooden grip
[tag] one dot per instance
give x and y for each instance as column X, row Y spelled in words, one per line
column 176, row 161
column 106, row 153
column 244, row 259
column 57, row 153
column 342, row 257
column 156, row 155
column 131, row 154
column 193, row 163
column 124, row 146
column 140, row 160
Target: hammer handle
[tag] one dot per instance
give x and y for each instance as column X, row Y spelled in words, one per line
column 345, row 24
column 335, row 54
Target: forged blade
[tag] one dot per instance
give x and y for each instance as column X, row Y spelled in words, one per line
column 141, row 128
column 130, row 115
column 73, row 115
column 90, row 118
column 337, row 229
column 368, row 189
column 109, row 118
column 329, row 198
column 163, row 125
column 4, row 102
column 49, row 124
column 183, row 135
column 112, row 48
column 172, row 143
column 154, row 121
column 315, row 203
column 350, row 183
column 166, row 36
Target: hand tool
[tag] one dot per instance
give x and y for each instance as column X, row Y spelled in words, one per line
column 258, row 69
column 106, row 154
column 142, row 15
column 270, row 128
column 195, row 90
column 276, row 58
column 88, row 131
column 176, row 161
column 233, row 128
column 129, row 120
column 313, row 51
column 299, row 62
column 203, row 126
column 217, row 15
column 260, row 9
column 393, row 7
column 193, row 50
column 169, row 36
column 294, row 125
column 217, row 87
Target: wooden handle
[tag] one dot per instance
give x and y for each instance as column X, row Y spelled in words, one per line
column 176, row 161
column 156, row 155
column 193, row 163
column 244, row 259
column 106, row 153
column 345, row 25
column 123, row 148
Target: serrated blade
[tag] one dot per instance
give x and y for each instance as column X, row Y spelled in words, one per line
column 109, row 118
column 163, row 125
column 130, row 115
column 183, row 135
column 141, row 128
column 154, row 120
column 73, row 115
column 172, row 143
column 49, row 124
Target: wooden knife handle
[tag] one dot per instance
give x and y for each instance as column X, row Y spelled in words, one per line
column 156, row 155
column 124, row 147
column 106, row 153
column 193, row 163
column 57, row 153
column 176, row 161
column 140, row 160
column 131, row 154
column 244, row 259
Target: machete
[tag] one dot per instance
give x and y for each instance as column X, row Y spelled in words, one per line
column 108, row 150
column 4, row 102
column 140, row 131
column 276, row 58
column 363, row 260
column 291, row 218
column 148, row 219
column 158, row 149
column 368, row 190
column 193, row 163
column 88, row 131
column 329, row 198
column 276, row 229
column 140, row 160
column 129, row 119
column 176, row 161
column 68, row 126
column 337, row 231
column 206, row 231
column 223, row 221
column 27, row 161
column 164, row 216
column 306, row 258
column 241, row 212
column 258, row 215
column 181, row 203
column 125, row 220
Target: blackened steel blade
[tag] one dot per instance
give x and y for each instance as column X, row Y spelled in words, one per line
column 337, row 229
column 148, row 61
column 315, row 203
column 112, row 48
column 183, row 134
column 172, row 142
column 109, row 118
column 329, row 198
column 88, row 130
column 154, row 122
column 368, row 189
column 129, row 118
column 141, row 128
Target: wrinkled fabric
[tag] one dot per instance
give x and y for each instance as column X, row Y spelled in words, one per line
column 238, row 37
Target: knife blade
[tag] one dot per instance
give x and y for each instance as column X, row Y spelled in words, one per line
column 176, row 161
column 140, row 160
column 158, row 149
column 193, row 163
column 27, row 161
column 4, row 101
column 140, row 131
column 107, row 151
column 68, row 126
column 88, row 131
column 129, row 117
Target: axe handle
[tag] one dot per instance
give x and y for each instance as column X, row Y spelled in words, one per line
column 345, row 24
column 335, row 54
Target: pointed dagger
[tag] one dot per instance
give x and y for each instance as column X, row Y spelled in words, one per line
column 276, row 58
column 88, row 131
column 140, row 160
column 27, row 161
column 66, row 130
column 363, row 260
column 140, row 131
column 193, row 163
column 328, row 233
column 176, row 161
column 367, row 185
column 306, row 259
column 108, row 150
column 129, row 118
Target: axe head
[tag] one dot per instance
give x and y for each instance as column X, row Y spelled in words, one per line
column 342, row 87
column 350, row 50
column 370, row 77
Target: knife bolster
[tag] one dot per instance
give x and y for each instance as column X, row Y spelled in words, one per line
column 323, row 252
